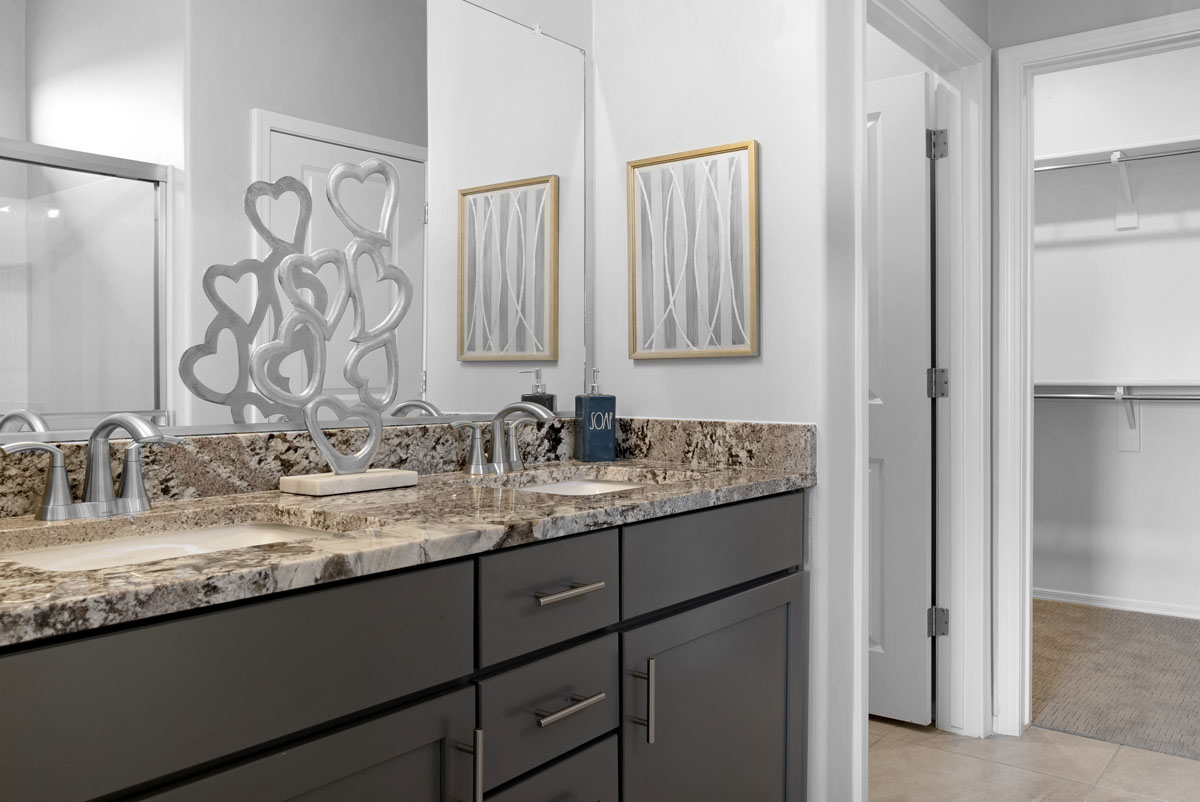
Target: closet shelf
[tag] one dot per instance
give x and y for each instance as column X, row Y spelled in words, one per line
column 1178, row 147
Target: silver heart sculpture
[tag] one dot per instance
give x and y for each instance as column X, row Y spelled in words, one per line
column 344, row 463
column 313, row 319
column 360, row 173
column 300, row 332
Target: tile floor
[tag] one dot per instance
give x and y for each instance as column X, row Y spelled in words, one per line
column 920, row 764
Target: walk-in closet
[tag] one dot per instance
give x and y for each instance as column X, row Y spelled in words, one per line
column 1116, row 362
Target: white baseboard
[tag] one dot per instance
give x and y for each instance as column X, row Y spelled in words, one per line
column 1114, row 603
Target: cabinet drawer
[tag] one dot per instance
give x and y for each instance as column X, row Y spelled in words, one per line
column 406, row 755
column 671, row 560
column 522, row 604
column 590, row 776
column 513, row 703
column 130, row 706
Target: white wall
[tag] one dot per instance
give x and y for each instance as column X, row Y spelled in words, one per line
column 886, row 59
column 296, row 57
column 680, row 74
column 12, row 69
column 1113, row 306
column 1110, row 526
column 504, row 105
column 1123, row 104
column 569, row 20
column 659, row 90
column 1015, row 22
column 107, row 77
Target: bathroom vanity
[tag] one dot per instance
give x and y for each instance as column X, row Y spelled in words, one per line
column 462, row 640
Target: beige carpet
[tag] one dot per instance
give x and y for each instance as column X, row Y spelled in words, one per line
column 1127, row 678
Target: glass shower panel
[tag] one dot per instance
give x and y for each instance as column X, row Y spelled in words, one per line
column 77, row 293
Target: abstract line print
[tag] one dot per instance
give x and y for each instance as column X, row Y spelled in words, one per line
column 508, row 271
column 693, row 254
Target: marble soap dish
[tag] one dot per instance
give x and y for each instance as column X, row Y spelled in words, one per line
column 333, row 484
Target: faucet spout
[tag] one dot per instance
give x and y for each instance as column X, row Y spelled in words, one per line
column 416, row 405
column 98, row 483
column 499, row 444
column 33, row 421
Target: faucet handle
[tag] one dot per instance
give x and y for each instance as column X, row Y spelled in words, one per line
column 56, row 498
column 512, row 450
column 132, row 493
column 476, row 464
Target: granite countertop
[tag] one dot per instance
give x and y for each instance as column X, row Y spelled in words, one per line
column 443, row 517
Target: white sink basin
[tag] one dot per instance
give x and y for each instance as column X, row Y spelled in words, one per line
column 148, row 548
column 581, row 487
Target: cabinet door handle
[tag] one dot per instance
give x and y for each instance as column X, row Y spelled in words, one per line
column 546, row 599
column 648, row 721
column 546, row 718
column 476, row 749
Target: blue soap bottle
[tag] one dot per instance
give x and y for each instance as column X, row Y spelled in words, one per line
column 595, row 424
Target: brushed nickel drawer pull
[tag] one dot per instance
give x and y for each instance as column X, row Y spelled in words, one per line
column 546, row 717
column 545, row 599
column 648, row 721
column 475, row 749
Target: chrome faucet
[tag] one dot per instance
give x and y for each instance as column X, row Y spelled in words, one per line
column 502, row 454
column 98, row 482
column 416, row 405
column 33, row 421
column 58, row 503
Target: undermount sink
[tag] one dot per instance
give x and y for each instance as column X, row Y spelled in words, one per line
column 581, row 487
column 149, row 548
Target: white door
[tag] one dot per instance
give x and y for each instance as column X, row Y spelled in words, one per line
column 901, row 415
column 310, row 161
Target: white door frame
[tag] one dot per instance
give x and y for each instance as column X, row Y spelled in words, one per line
column 1017, row 67
column 936, row 36
column 263, row 123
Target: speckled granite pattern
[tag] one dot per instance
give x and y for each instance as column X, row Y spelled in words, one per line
column 221, row 465
column 773, row 446
column 445, row 516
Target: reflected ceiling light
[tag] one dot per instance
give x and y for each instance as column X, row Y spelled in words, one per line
column 52, row 213
column 5, row 208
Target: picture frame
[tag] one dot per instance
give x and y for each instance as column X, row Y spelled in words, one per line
column 693, row 253
column 508, row 271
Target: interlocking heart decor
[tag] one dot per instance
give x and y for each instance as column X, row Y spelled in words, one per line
column 312, row 320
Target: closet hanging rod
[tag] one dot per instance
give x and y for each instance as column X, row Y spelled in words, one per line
column 1111, row 397
column 1101, row 162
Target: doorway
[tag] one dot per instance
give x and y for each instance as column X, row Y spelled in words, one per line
column 1094, row 510
column 928, row 543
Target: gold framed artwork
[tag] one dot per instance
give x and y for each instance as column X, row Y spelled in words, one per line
column 693, row 253
column 508, row 271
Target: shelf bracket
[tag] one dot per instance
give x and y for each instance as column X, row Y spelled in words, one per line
column 1126, row 205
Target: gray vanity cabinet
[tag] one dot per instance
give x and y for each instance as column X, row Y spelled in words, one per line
column 714, row 700
column 415, row 754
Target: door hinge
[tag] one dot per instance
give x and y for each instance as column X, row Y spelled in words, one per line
column 938, row 622
column 937, row 382
column 427, row 213
column 937, row 144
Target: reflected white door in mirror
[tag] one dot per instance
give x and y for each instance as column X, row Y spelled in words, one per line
column 305, row 320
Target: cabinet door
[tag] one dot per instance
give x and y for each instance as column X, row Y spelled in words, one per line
column 715, row 700
column 412, row 755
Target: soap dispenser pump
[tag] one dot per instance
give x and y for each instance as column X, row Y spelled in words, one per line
column 538, row 394
column 595, row 424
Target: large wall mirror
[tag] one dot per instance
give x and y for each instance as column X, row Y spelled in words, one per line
column 132, row 128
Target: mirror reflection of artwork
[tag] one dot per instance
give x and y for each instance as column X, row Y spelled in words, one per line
column 508, row 271
column 693, row 253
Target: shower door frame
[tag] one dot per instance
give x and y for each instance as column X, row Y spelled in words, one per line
column 160, row 176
